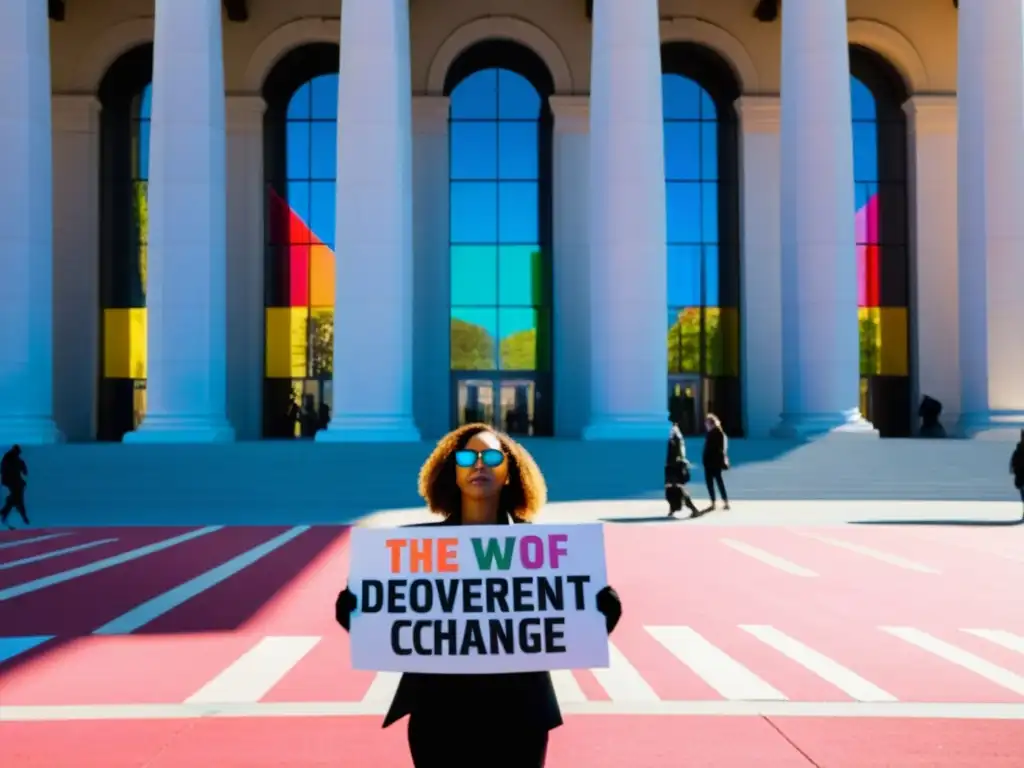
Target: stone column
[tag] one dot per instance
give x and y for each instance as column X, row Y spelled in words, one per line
column 431, row 340
column 990, row 89
column 761, row 290
column 373, row 294
column 628, row 278
column 820, row 334
column 246, row 325
column 26, row 227
column 76, row 326
column 931, row 136
column 571, row 194
column 186, row 297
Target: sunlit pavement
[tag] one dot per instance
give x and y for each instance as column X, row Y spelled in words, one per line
column 742, row 643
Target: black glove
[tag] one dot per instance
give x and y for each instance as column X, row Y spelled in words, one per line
column 609, row 604
column 343, row 607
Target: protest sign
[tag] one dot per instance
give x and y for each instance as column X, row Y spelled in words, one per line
column 478, row 599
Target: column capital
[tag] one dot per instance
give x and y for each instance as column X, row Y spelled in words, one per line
column 758, row 114
column 430, row 114
column 931, row 113
column 75, row 112
column 244, row 112
column 571, row 113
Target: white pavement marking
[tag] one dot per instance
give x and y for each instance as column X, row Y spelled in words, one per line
column 1001, row 677
column 999, row 637
column 59, row 578
column 152, row 609
column 846, row 680
column 621, row 680
column 769, row 559
column 567, row 688
column 719, row 670
column 381, row 691
column 885, row 557
column 33, row 540
column 55, row 553
column 251, row 676
column 834, row 709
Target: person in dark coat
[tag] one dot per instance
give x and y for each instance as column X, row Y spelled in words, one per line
column 677, row 474
column 1017, row 466
column 477, row 476
column 12, row 477
column 715, row 459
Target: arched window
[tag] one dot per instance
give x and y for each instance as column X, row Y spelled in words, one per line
column 701, row 189
column 300, row 161
column 500, row 234
column 125, row 96
column 880, row 177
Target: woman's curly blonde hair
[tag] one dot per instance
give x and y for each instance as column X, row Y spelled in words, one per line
column 523, row 497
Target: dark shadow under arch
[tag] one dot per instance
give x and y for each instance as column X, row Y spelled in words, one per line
column 504, row 54
column 123, row 82
column 715, row 75
column 889, row 396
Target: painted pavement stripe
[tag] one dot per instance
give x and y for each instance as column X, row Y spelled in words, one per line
column 846, row 680
column 877, row 554
column 979, row 666
column 59, row 578
column 382, row 690
column 999, row 637
column 769, row 559
column 33, row 540
column 55, row 553
column 15, row 646
column 251, row 676
column 621, row 680
column 719, row 670
column 832, row 709
column 152, row 609
column 567, row 687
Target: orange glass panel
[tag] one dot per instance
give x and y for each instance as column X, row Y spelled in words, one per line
column 321, row 282
column 895, row 357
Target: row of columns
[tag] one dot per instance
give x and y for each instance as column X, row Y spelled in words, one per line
column 187, row 294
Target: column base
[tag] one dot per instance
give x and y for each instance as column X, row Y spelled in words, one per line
column 992, row 425
column 181, row 429
column 653, row 427
column 369, row 429
column 18, row 430
column 808, row 426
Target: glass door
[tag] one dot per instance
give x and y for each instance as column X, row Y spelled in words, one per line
column 686, row 406
column 516, row 405
column 474, row 402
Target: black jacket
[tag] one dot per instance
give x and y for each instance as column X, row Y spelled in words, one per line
column 713, row 457
column 524, row 700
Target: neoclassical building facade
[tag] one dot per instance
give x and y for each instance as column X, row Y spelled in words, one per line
column 377, row 219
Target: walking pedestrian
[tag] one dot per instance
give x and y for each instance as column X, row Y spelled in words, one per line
column 715, row 459
column 12, row 477
column 677, row 474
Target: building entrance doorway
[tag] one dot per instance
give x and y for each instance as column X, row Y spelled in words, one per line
column 517, row 405
column 686, row 403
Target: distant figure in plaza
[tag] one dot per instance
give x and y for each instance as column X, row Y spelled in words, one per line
column 929, row 413
column 677, row 474
column 477, row 476
column 1017, row 466
column 715, row 459
column 12, row 477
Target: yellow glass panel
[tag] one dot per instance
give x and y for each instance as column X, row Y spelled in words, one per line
column 722, row 336
column 895, row 358
column 684, row 340
column 286, row 342
column 870, row 321
column 124, row 343
column 321, row 341
column 321, row 276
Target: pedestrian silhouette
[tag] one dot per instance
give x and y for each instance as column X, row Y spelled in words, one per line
column 1017, row 466
column 12, row 477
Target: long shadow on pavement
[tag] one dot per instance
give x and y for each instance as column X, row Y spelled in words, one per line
column 971, row 523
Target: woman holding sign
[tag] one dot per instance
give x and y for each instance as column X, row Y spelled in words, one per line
column 477, row 476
